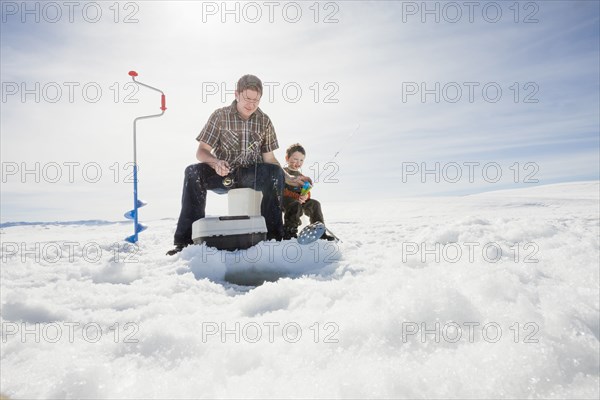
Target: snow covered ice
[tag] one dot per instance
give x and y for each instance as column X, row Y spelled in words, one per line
column 493, row 295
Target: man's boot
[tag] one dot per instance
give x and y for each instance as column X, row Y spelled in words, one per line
column 177, row 249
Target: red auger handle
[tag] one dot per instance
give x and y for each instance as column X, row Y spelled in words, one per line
column 163, row 99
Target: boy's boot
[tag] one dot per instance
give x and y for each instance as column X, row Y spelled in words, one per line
column 290, row 232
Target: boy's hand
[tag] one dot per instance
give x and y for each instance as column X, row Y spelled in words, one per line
column 302, row 199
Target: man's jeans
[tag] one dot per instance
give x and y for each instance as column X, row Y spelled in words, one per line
column 267, row 178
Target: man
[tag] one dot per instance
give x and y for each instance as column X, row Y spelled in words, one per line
column 235, row 150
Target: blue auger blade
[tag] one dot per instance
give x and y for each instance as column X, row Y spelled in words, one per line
column 141, row 203
column 131, row 239
column 141, row 227
column 130, row 214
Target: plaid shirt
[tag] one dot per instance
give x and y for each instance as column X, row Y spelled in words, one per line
column 237, row 141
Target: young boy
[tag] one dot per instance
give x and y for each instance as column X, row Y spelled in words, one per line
column 294, row 202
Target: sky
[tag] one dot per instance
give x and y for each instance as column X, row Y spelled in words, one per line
column 390, row 99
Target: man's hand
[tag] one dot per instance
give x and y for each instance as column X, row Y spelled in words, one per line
column 204, row 155
column 299, row 180
column 221, row 167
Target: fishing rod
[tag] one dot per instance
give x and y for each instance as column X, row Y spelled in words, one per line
column 332, row 159
column 229, row 180
column 345, row 143
column 314, row 231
